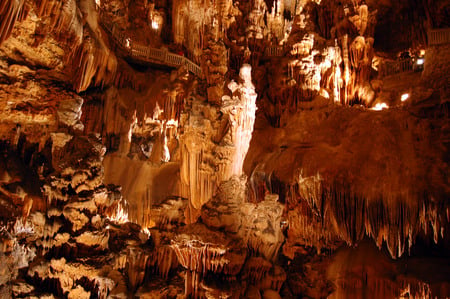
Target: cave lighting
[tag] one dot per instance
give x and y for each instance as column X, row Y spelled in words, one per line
column 147, row 232
column 404, row 97
column 120, row 216
column 22, row 228
column 127, row 42
column 155, row 25
column 380, row 106
column 422, row 53
column 420, row 61
column 172, row 123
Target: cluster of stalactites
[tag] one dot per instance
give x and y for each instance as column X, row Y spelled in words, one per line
column 92, row 66
column 357, row 57
column 382, row 287
column 63, row 20
column 198, row 179
column 354, row 33
column 190, row 18
column 391, row 220
column 91, row 61
column 351, row 32
column 208, row 252
column 197, row 173
column 199, row 257
column 10, row 12
column 278, row 26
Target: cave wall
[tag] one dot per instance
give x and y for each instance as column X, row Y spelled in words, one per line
column 436, row 73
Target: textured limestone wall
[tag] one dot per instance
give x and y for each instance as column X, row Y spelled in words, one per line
column 436, row 69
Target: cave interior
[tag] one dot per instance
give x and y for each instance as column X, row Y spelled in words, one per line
column 224, row 149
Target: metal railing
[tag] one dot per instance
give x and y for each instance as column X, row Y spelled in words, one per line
column 274, row 51
column 149, row 54
column 438, row 36
column 388, row 68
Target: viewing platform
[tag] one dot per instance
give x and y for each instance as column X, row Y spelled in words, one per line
column 148, row 54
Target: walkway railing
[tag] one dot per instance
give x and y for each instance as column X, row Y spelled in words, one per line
column 435, row 37
column 149, row 54
column 163, row 56
column 438, row 36
column 388, row 68
column 272, row 51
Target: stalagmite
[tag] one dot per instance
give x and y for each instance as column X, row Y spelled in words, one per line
column 199, row 182
column 242, row 118
column 346, row 69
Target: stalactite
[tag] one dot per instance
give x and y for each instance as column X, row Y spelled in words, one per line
column 162, row 260
column 92, row 66
column 198, row 184
column 188, row 27
column 90, row 116
column 67, row 274
column 308, row 228
column 352, row 275
column 63, row 19
column 274, row 279
column 10, row 12
column 208, row 251
column 135, row 267
column 385, row 220
column 255, row 269
column 337, row 73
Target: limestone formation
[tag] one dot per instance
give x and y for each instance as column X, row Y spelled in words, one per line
column 224, row 149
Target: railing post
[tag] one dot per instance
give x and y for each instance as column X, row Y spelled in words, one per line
column 165, row 56
column 438, row 36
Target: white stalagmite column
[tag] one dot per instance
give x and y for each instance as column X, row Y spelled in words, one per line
column 346, row 68
column 206, row 163
column 242, row 118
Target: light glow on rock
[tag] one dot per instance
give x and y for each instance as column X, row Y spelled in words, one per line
column 21, row 228
column 155, row 25
column 404, row 97
column 147, row 232
column 120, row 215
column 380, row 106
